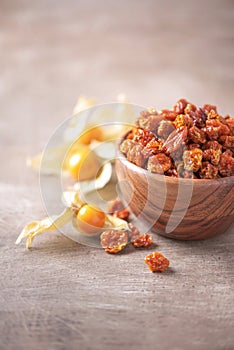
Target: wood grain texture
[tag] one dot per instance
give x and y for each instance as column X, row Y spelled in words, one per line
column 177, row 208
column 61, row 295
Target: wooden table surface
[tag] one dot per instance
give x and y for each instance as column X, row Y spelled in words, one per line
column 60, row 294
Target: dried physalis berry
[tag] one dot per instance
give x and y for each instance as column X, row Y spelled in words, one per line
column 192, row 159
column 180, row 106
column 142, row 241
column 208, row 107
column 126, row 145
column 175, row 140
column 227, row 141
column 157, row 262
column 142, row 136
column 199, row 118
column 113, row 241
column 208, row 171
column 154, row 146
column 133, row 232
column 165, row 129
column 160, row 163
column 197, row 135
column 214, row 129
column 226, row 164
column 183, row 120
column 168, row 115
column 117, row 208
column 190, row 109
column 136, row 156
column 148, row 120
column 230, row 122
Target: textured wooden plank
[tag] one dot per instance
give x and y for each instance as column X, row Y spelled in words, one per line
column 61, row 295
column 67, row 295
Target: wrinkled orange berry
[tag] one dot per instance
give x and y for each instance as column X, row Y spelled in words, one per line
column 157, row 262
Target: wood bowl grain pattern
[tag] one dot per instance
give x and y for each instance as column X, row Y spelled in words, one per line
column 185, row 209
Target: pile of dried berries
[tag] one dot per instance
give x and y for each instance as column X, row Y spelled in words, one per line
column 114, row 241
column 187, row 142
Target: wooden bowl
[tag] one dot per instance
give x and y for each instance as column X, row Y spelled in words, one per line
column 186, row 209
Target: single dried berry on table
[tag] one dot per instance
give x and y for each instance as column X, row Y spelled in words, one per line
column 113, row 241
column 117, row 208
column 133, row 231
column 157, row 262
column 142, row 241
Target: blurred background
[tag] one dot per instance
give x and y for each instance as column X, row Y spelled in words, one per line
column 155, row 52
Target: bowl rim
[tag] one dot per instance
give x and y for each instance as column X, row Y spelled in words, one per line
column 207, row 182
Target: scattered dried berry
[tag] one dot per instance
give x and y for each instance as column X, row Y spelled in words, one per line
column 142, row 241
column 117, row 208
column 114, row 241
column 133, row 231
column 157, row 262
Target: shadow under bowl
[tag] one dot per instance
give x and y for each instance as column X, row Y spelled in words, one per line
column 185, row 209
